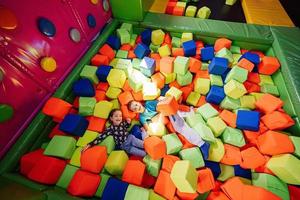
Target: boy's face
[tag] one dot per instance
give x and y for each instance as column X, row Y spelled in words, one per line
column 116, row 118
column 136, row 107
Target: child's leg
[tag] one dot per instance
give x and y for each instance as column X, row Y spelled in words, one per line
column 136, row 151
column 136, row 142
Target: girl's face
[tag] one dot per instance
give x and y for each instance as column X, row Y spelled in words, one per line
column 137, row 107
column 116, row 118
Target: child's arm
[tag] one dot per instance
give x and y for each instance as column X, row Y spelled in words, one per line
column 97, row 140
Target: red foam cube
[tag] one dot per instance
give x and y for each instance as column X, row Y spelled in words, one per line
column 29, row 160
column 93, row 159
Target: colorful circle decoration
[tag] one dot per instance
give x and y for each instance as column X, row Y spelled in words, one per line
column 8, row 20
column 6, row 112
column 95, row 2
column 91, row 21
column 46, row 27
column 48, row 64
column 105, row 5
column 75, row 35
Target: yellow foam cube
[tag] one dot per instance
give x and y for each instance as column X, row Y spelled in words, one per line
column 217, row 125
column 88, row 137
column 157, row 129
column 248, row 101
column 234, row 89
column 157, row 37
column 113, row 92
column 216, row 151
column 116, row 104
column 174, row 92
column 116, row 78
column 186, row 37
column 202, row 85
column 181, row 4
column 227, row 172
column 191, row 11
column 169, row 77
column 257, row 95
column 184, row 176
column 116, row 162
column 75, row 159
column 164, row 50
column 102, row 109
column 150, row 91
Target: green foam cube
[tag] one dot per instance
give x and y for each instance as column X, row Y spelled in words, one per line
column 207, row 111
column 61, row 146
column 181, row 4
column 114, row 62
column 285, row 167
column 102, row 109
column 176, row 42
column 164, row 50
column 124, row 36
column 204, row 66
column 184, row 176
column 133, row 39
column 257, row 95
column 236, row 58
column 123, row 63
column 44, row 145
column 113, row 92
column 154, row 48
column 204, row 12
column 152, row 166
column 181, row 65
column 194, row 155
column 191, row 11
column 174, row 92
column 154, row 196
column 186, row 37
column 66, row 176
column 122, row 54
column 127, row 27
column 150, row 91
column 205, row 132
column 202, row 85
column 173, row 143
column 136, row 80
column 116, row 78
column 235, row 49
column 225, row 53
column 216, row 80
column 230, row 103
column 109, row 143
column 272, row 184
column 227, row 172
column 194, row 119
column 237, row 73
column 296, row 142
column 116, row 162
column 265, row 79
column 134, row 192
column 271, row 89
column 86, row 106
column 88, row 137
column 216, row 151
column 248, row 101
column 89, row 72
column 233, row 136
column 230, row 2
column 104, row 179
column 193, row 98
column 116, row 104
column 136, row 63
column 157, row 37
column 157, row 129
column 234, row 89
column 185, row 79
column 75, row 159
column 169, row 77
column 217, row 125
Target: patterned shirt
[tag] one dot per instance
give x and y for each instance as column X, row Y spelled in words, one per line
column 119, row 134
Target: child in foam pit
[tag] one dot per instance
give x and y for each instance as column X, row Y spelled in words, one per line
column 119, row 130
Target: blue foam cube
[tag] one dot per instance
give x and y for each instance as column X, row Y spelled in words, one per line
column 245, row 173
column 223, row 76
column 146, row 36
column 205, row 150
column 214, row 166
column 141, row 50
column 252, row 57
column 215, row 95
column 189, row 48
column 164, row 90
column 147, row 66
column 218, row 66
column 102, row 72
column 114, row 42
column 74, row 124
column 83, row 88
column 248, row 120
column 207, row 53
column 114, row 190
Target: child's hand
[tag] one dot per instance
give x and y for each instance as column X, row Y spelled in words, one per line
column 128, row 120
column 85, row 148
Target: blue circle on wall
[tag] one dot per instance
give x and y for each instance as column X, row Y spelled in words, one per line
column 46, row 27
column 91, row 21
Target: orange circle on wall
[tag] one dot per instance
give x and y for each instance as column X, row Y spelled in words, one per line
column 8, row 20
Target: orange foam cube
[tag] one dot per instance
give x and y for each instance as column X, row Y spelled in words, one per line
column 246, row 64
column 126, row 86
column 206, row 181
column 127, row 113
column 194, row 65
column 177, row 52
column 268, row 65
column 125, row 97
column 251, row 136
column 164, row 185
column 277, row 120
column 131, row 54
column 98, row 60
column 56, row 108
column 168, row 106
column 138, row 96
column 187, row 196
column 252, row 158
column 253, row 77
column 126, row 47
column 232, row 155
column 217, row 195
column 221, row 43
column 107, row 51
column 174, row 84
column 251, row 87
column 134, row 172
column 159, row 79
column 178, row 11
column 167, row 39
column 100, row 95
column 96, row 124
column 184, row 108
column 201, row 101
column 167, row 64
column 268, row 103
column 93, row 159
column 229, row 118
column 155, row 147
column 168, row 162
column 186, row 90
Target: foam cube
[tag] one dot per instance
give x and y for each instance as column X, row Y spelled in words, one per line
column 166, row 64
column 113, row 92
column 268, row 65
column 56, row 108
column 232, row 155
column 214, row 167
column 185, row 79
column 122, row 54
column 159, row 79
column 225, row 53
column 230, row 2
column 114, row 42
column 194, row 119
column 296, row 142
column 141, row 50
column 147, row 66
column 111, row 187
column 173, row 143
column 252, row 158
column 150, row 91
column 207, row 111
column 248, row 120
column 217, row 125
column 124, row 36
column 204, row 12
column 186, row 37
column 194, row 155
column 193, row 98
column 216, row 151
column 190, row 11
column 237, row 73
column 98, row 60
column 168, row 106
column 107, row 51
column 89, row 72
column 146, row 36
column 134, row 172
column 184, row 176
column 127, row 27
column 123, row 64
column 215, row 80
column 230, row 103
column 252, row 57
column 102, row 109
column 216, row 95
column 136, row 80
column 241, row 172
column 169, row 77
column 66, row 176
column 75, row 159
column 202, row 86
column 86, row 106
column 116, row 78
column 61, row 146
column 157, row 129
column 218, row 66
column 265, row 79
column 102, row 185
column 116, row 162
column 189, row 48
column 248, row 101
column 83, row 88
column 157, row 37
column 234, row 89
column 246, row 64
column 28, row 161
column 181, row 65
column 277, row 120
column 227, row 172
column 109, row 143
column 207, row 53
column 93, row 159
column 155, row 147
column 176, row 42
column 88, row 137
column 133, row 192
column 271, row 89
column 164, row 185
column 152, row 166
column 233, row 136
column 164, row 50
column 47, row 170
column 205, row 181
column 136, row 63
column 153, row 195
column 174, row 92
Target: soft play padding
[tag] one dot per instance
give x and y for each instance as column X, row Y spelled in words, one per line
column 134, row 192
column 114, row 189
column 93, row 159
column 84, row 184
column 61, row 146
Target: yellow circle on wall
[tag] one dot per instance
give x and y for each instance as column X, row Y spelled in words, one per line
column 48, row 64
column 94, row 1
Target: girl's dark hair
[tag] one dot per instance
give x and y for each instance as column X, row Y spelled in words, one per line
column 112, row 112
